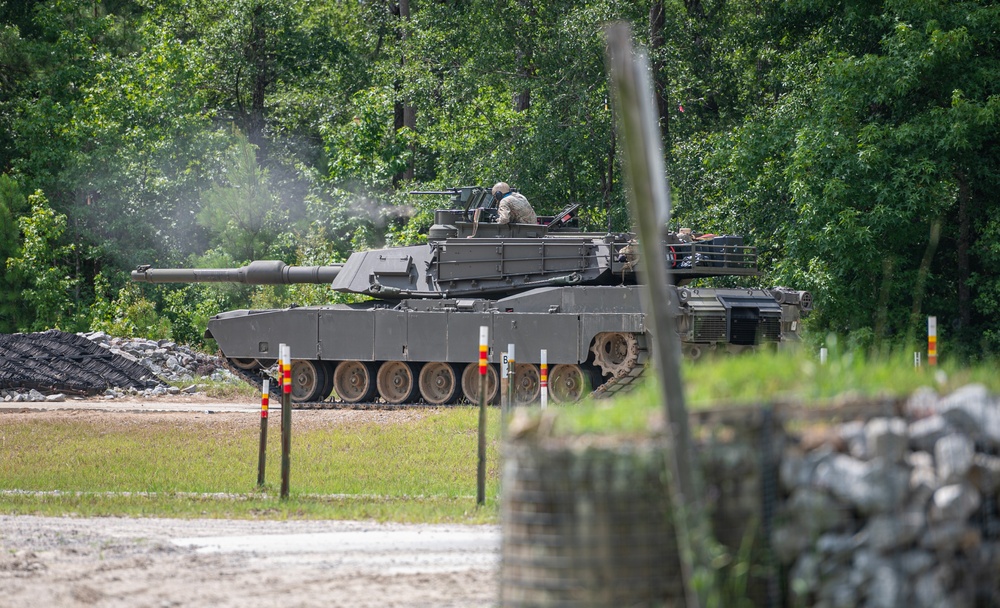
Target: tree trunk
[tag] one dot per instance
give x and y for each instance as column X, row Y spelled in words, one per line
column 882, row 309
column 256, row 55
column 404, row 114
column 702, row 24
column 921, row 287
column 525, row 66
column 608, row 176
column 962, row 252
column 656, row 44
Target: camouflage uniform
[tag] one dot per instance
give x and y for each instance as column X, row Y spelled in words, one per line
column 515, row 208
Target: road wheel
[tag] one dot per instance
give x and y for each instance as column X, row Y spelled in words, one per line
column 396, row 382
column 309, row 378
column 527, row 383
column 245, row 364
column 568, row 383
column 438, row 383
column 352, row 381
column 470, row 383
column 328, row 367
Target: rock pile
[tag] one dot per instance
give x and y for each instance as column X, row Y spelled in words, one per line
column 170, row 361
column 897, row 511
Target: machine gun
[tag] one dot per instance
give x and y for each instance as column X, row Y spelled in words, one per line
column 472, row 198
column 467, row 198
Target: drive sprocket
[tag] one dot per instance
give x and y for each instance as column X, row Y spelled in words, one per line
column 616, row 352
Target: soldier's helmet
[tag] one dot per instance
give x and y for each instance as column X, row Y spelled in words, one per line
column 500, row 188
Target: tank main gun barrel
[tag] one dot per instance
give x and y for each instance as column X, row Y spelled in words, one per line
column 260, row 272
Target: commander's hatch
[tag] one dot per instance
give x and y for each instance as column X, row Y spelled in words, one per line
column 564, row 221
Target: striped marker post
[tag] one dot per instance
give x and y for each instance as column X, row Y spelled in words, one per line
column 932, row 341
column 545, row 378
column 262, row 451
column 286, row 417
column 484, row 335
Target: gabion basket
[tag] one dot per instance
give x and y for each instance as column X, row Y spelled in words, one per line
column 585, row 522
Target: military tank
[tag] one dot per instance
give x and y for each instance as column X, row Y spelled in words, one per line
column 538, row 286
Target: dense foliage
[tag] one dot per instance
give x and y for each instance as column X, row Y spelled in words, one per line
column 855, row 143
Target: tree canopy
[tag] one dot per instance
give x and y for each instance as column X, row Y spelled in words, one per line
column 854, row 143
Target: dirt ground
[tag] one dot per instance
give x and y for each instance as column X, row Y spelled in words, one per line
column 163, row 563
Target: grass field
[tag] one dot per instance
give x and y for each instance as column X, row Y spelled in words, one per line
column 416, row 467
column 768, row 377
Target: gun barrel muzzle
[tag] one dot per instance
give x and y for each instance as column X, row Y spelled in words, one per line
column 260, row 272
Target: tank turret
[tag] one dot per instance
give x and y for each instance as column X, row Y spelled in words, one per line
column 538, row 286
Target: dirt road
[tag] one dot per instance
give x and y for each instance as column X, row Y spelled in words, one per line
column 162, row 563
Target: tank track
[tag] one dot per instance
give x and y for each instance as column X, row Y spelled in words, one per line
column 620, row 384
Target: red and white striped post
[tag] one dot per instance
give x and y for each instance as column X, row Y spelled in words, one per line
column 545, row 378
column 262, row 450
column 484, row 340
column 932, row 341
column 285, row 354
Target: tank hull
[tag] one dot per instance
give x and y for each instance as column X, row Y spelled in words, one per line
column 561, row 320
column 598, row 332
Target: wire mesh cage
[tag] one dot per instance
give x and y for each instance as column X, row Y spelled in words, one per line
column 586, row 523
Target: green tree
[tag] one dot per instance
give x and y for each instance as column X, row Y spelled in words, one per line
column 43, row 263
column 869, row 172
column 130, row 314
column 240, row 212
column 12, row 205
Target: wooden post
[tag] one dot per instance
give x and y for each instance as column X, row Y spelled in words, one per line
column 481, row 469
column 286, row 418
column 262, row 451
column 649, row 195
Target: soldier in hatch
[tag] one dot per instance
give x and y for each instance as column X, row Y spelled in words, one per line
column 513, row 206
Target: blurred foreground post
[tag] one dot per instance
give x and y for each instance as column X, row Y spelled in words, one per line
column 649, row 194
